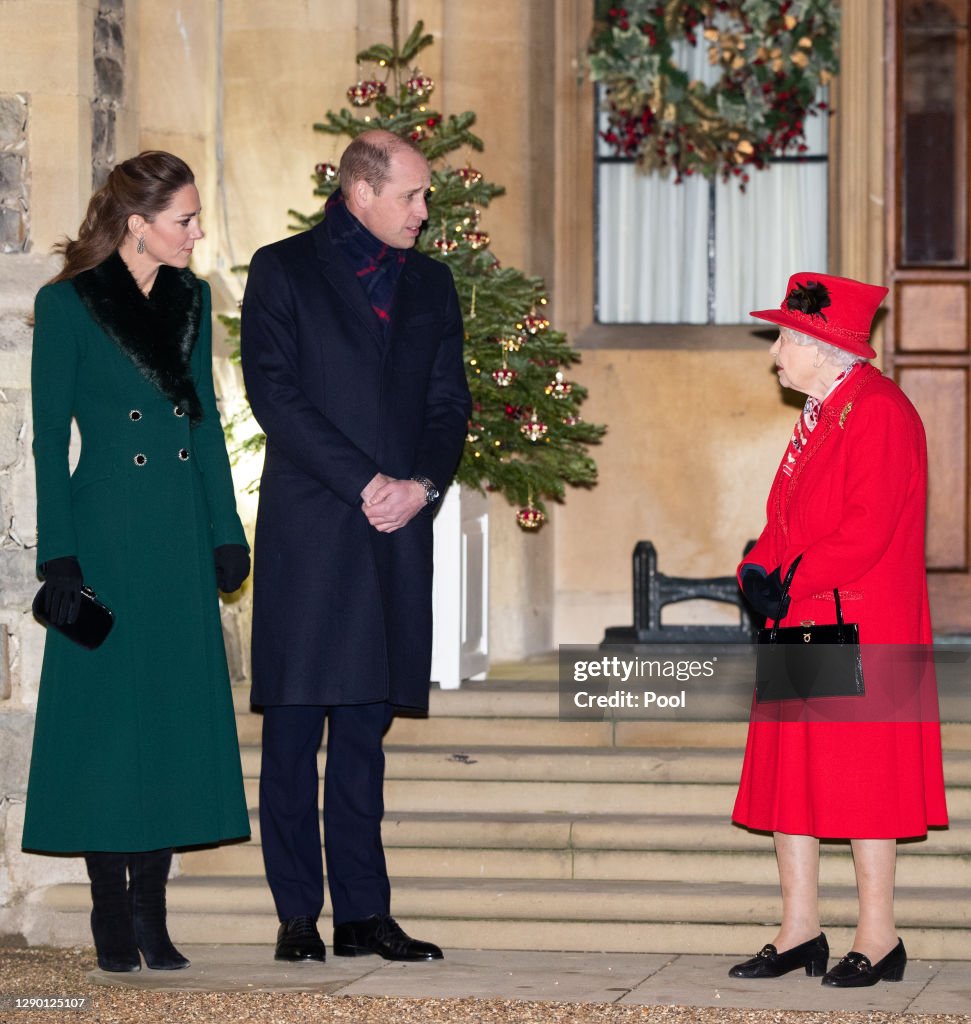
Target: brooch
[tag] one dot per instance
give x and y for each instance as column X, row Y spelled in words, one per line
column 847, row 409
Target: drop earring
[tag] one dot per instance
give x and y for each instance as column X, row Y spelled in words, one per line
column 140, row 248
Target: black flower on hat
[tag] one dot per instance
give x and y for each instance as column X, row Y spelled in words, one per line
column 810, row 298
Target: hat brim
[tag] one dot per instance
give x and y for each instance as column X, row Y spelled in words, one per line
column 816, row 329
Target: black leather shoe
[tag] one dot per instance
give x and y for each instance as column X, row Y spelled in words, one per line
column 381, row 934
column 769, row 963
column 856, row 971
column 298, row 939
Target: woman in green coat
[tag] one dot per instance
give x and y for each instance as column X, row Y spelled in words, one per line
column 135, row 748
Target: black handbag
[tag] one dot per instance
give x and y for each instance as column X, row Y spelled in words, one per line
column 802, row 662
column 92, row 625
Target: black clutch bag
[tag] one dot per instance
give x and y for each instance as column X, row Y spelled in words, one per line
column 92, row 625
column 802, row 662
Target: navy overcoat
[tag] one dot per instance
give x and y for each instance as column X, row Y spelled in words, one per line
column 342, row 613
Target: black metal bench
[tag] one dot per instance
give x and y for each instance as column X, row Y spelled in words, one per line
column 653, row 590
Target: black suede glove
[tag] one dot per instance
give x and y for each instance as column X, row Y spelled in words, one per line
column 764, row 592
column 62, row 595
column 232, row 566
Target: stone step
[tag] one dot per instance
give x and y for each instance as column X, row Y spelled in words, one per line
column 554, row 797
column 572, row 780
column 540, row 764
column 475, row 699
column 575, row 764
column 931, row 870
column 599, row 846
column 523, row 715
column 462, row 732
column 636, row 916
column 593, row 832
column 465, row 731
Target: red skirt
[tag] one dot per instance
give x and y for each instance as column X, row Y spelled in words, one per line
column 842, row 780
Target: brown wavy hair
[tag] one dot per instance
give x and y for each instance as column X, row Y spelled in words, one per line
column 144, row 184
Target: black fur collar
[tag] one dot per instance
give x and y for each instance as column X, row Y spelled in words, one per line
column 157, row 332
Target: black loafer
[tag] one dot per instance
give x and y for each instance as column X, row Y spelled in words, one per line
column 770, row 963
column 383, row 935
column 298, row 939
column 856, row 971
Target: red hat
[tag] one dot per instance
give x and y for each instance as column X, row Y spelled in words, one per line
column 837, row 310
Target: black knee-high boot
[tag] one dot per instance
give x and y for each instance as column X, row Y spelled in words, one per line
column 149, row 873
column 111, row 920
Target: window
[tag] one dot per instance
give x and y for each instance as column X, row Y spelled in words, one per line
column 704, row 252
column 933, row 129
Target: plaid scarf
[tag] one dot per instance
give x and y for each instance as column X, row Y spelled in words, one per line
column 807, row 421
column 376, row 264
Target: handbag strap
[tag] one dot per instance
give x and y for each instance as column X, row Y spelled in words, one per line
column 785, row 593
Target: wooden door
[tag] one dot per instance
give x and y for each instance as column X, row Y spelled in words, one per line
column 929, row 272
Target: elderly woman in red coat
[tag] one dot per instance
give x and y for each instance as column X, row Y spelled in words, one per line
column 849, row 497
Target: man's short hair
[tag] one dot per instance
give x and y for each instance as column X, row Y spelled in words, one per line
column 369, row 159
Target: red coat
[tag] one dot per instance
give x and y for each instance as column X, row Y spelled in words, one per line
column 854, row 508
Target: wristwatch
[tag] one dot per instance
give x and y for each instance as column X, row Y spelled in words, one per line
column 432, row 493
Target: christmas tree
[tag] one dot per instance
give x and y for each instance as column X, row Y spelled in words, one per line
column 526, row 438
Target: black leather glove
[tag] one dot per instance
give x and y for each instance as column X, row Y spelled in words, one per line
column 62, row 595
column 232, row 566
column 764, row 592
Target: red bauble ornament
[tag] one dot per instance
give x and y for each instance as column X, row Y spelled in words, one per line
column 477, row 239
column 530, row 518
column 419, row 85
column 361, row 94
column 469, row 175
column 534, row 323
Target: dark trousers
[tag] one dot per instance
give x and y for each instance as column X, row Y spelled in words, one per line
column 357, row 875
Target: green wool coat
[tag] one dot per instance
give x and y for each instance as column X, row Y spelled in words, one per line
column 135, row 743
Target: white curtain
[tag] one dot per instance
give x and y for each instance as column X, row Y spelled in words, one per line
column 653, row 257
column 768, row 233
column 774, row 229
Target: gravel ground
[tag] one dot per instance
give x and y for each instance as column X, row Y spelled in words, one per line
column 59, row 972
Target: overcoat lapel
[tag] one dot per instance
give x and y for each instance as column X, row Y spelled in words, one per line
column 343, row 280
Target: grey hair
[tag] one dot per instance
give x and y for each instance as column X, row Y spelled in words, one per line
column 830, row 353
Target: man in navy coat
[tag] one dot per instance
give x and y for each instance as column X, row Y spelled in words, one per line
column 352, row 347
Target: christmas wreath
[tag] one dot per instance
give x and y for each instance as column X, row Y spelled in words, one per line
column 772, row 57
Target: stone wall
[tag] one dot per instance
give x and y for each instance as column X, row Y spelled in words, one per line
column 14, row 207
column 21, row 638
column 109, row 87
